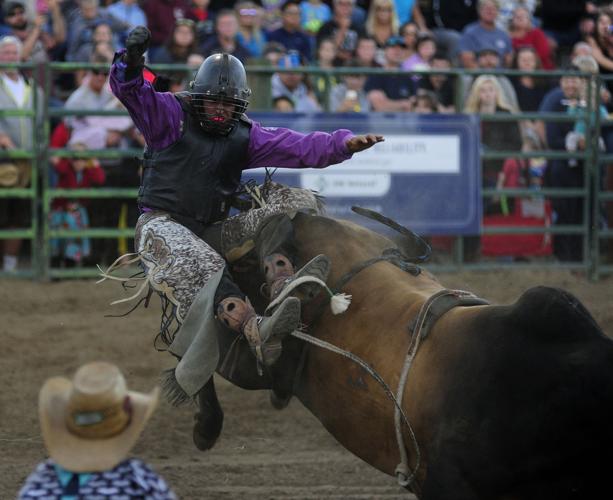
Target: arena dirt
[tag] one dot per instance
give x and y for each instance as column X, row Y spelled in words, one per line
column 51, row 329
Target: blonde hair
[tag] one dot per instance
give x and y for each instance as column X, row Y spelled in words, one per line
column 473, row 101
column 370, row 20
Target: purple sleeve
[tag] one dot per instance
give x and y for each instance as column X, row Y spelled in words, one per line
column 158, row 115
column 283, row 147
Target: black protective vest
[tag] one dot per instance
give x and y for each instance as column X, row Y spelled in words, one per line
column 196, row 176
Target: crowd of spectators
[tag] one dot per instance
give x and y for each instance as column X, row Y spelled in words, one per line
column 401, row 35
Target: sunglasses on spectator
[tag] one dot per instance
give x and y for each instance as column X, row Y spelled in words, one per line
column 384, row 9
column 248, row 12
column 104, row 72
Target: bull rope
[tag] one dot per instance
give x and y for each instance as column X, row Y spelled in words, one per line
column 404, row 475
column 388, row 392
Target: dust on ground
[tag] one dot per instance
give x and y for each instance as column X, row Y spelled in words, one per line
column 50, row 329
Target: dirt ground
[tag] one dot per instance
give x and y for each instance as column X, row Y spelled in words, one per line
column 51, row 329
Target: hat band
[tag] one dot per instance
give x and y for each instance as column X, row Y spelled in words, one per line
column 100, row 424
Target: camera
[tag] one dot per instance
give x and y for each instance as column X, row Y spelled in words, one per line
column 351, row 94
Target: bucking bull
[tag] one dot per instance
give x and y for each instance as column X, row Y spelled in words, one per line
column 457, row 398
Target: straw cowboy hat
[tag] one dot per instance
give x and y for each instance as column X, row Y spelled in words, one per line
column 92, row 422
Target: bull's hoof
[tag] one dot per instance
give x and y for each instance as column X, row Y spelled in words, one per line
column 206, row 431
column 279, row 401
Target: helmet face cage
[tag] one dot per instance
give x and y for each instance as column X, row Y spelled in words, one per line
column 214, row 119
column 220, row 81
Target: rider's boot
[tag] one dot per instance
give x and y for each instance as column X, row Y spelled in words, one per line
column 283, row 280
column 276, row 248
column 264, row 333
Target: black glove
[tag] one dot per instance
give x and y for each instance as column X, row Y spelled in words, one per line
column 137, row 44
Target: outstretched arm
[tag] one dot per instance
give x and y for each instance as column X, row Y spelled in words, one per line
column 283, row 147
column 157, row 115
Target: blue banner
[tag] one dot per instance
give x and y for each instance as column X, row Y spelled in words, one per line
column 426, row 175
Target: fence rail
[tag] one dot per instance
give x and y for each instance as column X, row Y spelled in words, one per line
column 593, row 193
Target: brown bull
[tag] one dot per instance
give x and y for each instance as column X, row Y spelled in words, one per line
column 505, row 402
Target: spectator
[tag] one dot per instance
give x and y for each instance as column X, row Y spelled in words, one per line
column 576, row 139
column 390, row 92
column 523, row 33
column 293, row 85
column 129, row 12
column 602, row 45
column 199, row 12
column 225, row 38
column 40, row 37
column 289, row 34
column 442, row 86
column 421, row 60
column 73, row 173
column 273, row 52
column 409, row 33
column 102, row 34
column 381, row 24
column 342, row 29
column 530, row 90
column 425, row 102
column 581, row 49
column 82, row 21
column 313, row 14
column 250, row 34
column 15, row 133
column 559, row 173
column 523, row 173
column 349, row 96
column 528, row 211
column 484, row 33
column 448, row 18
column 488, row 59
column 366, row 51
column 161, row 18
column 326, row 57
column 272, row 14
column 89, row 425
column 94, row 92
column 181, row 44
column 507, row 8
column 486, row 97
column 408, row 10
column 283, row 104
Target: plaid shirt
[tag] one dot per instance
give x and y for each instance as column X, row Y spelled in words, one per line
column 130, row 479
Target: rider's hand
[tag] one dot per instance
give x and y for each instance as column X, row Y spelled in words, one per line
column 359, row 143
column 137, row 44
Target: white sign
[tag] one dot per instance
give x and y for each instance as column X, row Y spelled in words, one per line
column 408, row 154
column 341, row 184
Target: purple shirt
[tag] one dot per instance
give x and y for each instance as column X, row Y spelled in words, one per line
column 158, row 115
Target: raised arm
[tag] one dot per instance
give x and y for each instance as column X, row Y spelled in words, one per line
column 283, row 147
column 158, row 115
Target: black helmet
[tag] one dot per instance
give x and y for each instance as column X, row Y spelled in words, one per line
column 221, row 79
